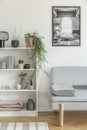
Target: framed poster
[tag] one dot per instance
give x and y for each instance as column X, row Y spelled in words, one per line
column 66, row 25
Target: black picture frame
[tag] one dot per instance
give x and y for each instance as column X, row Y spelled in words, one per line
column 66, row 26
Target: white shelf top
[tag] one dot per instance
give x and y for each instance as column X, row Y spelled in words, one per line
column 17, row 69
column 16, row 48
column 15, row 90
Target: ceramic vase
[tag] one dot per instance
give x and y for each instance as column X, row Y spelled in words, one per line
column 30, row 104
column 15, row 43
column 23, row 83
column 21, row 66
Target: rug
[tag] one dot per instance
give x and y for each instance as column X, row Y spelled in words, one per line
column 24, row 126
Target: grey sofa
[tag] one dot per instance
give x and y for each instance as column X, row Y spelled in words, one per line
column 70, row 75
column 76, row 76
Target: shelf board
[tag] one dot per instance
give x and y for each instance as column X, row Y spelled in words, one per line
column 19, row 90
column 18, row 113
column 16, row 48
column 17, row 69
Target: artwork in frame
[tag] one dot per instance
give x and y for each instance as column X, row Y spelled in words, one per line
column 66, row 25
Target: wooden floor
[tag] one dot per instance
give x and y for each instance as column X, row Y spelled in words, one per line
column 72, row 120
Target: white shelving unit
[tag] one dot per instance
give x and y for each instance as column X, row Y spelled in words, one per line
column 10, row 77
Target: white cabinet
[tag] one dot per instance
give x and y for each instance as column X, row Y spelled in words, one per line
column 9, row 77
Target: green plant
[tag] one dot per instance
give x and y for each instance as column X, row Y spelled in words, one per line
column 21, row 61
column 39, row 51
column 22, row 75
column 31, row 83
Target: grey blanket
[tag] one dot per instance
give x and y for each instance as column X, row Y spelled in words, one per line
column 62, row 90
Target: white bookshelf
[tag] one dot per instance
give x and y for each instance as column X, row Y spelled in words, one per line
column 10, row 75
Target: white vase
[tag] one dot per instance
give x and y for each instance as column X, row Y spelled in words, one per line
column 31, row 87
column 21, row 66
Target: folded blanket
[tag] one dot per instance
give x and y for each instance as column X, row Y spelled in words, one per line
column 62, row 90
column 11, row 104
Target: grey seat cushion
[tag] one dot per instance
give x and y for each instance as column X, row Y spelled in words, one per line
column 80, row 95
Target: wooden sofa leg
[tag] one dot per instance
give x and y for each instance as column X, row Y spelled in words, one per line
column 61, row 112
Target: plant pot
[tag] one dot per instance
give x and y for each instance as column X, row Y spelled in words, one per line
column 21, row 66
column 29, row 42
column 15, row 43
column 31, row 87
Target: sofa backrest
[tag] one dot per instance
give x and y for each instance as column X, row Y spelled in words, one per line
column 74, row 75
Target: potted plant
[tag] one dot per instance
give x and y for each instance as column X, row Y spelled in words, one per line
column 21, row 64
column 39, row 48
column 31, row 84
column 29, row 40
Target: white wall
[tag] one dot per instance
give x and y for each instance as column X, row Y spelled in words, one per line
column 31, row 15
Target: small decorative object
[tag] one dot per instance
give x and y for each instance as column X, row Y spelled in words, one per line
column 18, row 86
column 23, row 82
column 5, row 87
column 4, row 36
column 31, row 85
column 1, row 87
column 3, row 64
column 26, row 66
column 10, row 62
column 21, row 64
column 30, row 104
column 66, row 25
column 14, row 38
column 15, row 43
